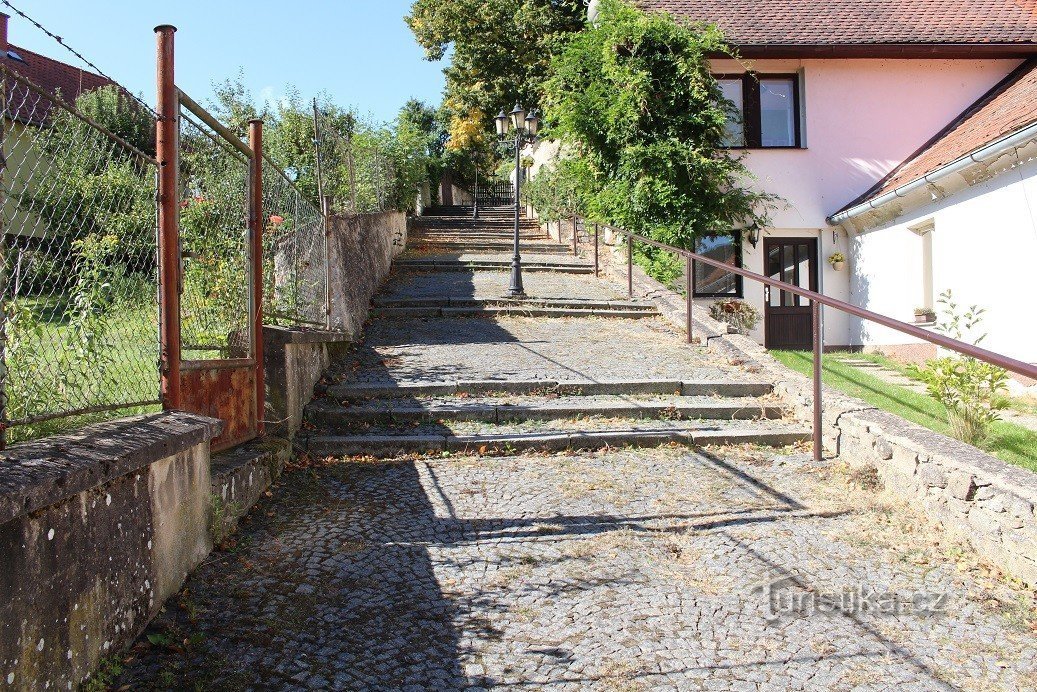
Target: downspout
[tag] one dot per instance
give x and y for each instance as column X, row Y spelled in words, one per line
column 990, row 151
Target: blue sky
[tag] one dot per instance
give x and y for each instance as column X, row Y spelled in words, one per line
column 358, row 51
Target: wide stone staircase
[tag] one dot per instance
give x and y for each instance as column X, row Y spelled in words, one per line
column 432, row 377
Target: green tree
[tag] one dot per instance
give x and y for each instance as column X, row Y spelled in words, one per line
column 633, row 98
column 499, row 53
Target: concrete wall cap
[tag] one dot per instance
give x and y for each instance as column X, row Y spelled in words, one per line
column 38, row 474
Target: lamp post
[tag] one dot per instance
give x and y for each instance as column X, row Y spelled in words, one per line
column 525, row 129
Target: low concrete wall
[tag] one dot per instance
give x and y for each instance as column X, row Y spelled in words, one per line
column 295, row 361
column 97, row 529
column 360, row 254
column 973, row 495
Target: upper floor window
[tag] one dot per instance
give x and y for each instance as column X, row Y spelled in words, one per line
column 766, row 110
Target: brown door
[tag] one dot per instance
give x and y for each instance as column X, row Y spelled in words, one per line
column 787, row 317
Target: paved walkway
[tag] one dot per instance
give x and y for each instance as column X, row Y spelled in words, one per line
column 728, row 568
column 622, row 570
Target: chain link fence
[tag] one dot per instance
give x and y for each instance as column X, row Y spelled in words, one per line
column 295, row 254
column 78, row 270
column 215, row 295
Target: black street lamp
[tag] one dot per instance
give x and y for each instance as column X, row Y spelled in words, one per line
column 525, row 129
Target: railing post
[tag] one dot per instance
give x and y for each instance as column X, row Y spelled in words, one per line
column 689, row 270
column 167, row 126
column 475, row 199
column 576, row 250
column 597, row 229
column 255, row 142
column 818, row 349
column 630, row 265
column 325, row 207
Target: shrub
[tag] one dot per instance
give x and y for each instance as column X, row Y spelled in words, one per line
column 737, row 313
column 972, row 390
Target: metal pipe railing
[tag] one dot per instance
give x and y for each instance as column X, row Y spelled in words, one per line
column 816, row 301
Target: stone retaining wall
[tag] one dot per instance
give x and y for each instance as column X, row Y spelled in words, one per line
column 971, row 494
column 360, row 254
column 97, row 529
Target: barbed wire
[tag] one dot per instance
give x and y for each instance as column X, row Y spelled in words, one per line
column 61, row 42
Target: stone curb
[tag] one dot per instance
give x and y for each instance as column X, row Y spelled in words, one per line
column 361, row 391
column 385, row 446
column 418, row 312
column 331, row 415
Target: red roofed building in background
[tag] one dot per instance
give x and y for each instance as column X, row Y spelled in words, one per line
column 26, row 111
column 53, row 76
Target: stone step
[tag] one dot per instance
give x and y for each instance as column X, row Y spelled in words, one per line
column 360, row 391
column 523, row 310
column 469, row 301
column 429, row 239
column 701, row 434
column 417, row 265
column 465, row 234
column 331, row 416
column 494, row 248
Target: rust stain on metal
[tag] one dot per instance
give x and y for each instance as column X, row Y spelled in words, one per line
column 227, row 394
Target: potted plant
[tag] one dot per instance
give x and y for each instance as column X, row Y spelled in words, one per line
column 741, row 318
column 925, row 315
column 838, row 261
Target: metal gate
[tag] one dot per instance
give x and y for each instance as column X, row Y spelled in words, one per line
column 495, row 193
column 210, row 246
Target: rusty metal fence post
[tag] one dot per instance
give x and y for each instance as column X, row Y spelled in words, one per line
column 815, row 314
column 689, row 272
column 167, row 152
column 255, row 143
column 325, row 208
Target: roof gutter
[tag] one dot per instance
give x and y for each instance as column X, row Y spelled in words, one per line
column 995, row 148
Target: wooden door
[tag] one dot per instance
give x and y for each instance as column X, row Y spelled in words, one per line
column 787, row 317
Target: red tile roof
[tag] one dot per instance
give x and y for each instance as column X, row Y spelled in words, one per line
column 1005, row 109
column 851, row 25
column 52, row 76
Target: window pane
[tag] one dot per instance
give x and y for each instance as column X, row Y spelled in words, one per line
column 710, row 280
column 777, row 113
column 732, row 91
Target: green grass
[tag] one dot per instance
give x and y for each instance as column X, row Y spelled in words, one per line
column 1009, row 442
column 48, row 375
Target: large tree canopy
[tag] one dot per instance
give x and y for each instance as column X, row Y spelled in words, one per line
column 634, row 98
column 499, row 53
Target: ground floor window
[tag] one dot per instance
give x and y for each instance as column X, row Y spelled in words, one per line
column 711, row 282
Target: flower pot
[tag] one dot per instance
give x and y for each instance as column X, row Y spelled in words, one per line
column 924, row 319
column 838, row 266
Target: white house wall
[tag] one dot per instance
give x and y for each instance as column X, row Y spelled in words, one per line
column 862, row 119
column 984, row 249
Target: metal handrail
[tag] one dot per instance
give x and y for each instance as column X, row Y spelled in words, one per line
column 816, row 301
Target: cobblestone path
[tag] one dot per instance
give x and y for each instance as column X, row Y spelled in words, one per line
column 621, row 570
column 717, row 568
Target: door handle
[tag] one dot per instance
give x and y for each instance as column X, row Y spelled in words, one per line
column 766, row 294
